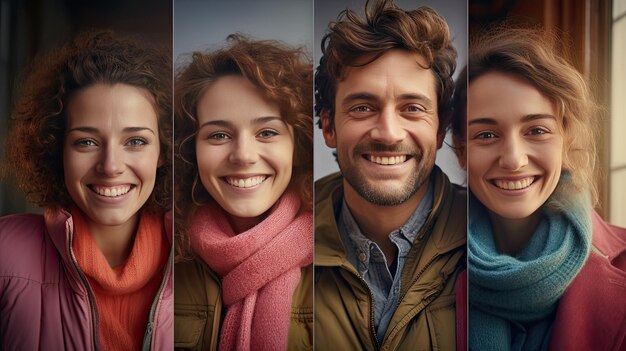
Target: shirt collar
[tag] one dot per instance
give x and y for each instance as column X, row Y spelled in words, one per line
column 408, row 230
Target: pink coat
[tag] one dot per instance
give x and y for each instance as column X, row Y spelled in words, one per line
column 592, row 313
column 45, row 302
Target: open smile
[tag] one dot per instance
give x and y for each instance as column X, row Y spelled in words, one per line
column 387, row 160
column 245, row 182
column 111, row 191
column 514, row 184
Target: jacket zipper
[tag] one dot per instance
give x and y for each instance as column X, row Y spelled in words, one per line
column 371, row 300
column 418, row 276
column 91, row 298
column 147, row 338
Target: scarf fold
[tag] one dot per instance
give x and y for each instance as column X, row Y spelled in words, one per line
column 260, row 270
column 123, row 294
column 508, row 292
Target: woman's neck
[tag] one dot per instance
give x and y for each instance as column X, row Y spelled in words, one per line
column 512, row 235
column 242, row 224
column 115, row 242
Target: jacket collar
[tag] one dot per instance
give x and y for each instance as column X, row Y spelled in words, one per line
column 329, row 250
column 60, row 228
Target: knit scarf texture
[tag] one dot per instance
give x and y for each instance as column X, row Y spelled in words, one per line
column 259, row 269
column 124, row 294
column 506, row 292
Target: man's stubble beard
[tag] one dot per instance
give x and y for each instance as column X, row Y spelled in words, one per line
column 375, row 193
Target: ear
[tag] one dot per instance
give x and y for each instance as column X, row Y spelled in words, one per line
column 328, row 129
column 441, row 136
column 460, row 150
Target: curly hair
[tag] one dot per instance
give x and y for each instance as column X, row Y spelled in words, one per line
column 35, row 141
column 532, row 54
column 282, row 73
column 385, row 27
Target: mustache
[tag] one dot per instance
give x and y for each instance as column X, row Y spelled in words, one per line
column 374, row 147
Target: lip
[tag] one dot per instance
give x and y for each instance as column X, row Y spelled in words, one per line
column 110, row 199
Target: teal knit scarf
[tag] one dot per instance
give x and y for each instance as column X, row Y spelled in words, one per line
column 512, row 294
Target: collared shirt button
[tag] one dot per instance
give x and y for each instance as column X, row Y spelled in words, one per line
column 362, row 256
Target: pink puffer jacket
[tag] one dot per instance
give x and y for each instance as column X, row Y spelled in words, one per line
column 45, row 300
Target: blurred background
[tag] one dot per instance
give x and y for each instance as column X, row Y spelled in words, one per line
column 204, row 25
column 32, row 27
column 594, row 38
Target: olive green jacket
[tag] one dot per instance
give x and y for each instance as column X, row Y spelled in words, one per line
column 198, row 309
column 425, row 315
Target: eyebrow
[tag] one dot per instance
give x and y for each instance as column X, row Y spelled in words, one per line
column 370, row 97
column 93, row 130
column 225, row 123
column 527, row 118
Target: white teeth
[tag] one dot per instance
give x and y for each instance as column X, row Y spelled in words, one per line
column 111, row 191
column 514, row 185
column 246, row 183
column 387, row 160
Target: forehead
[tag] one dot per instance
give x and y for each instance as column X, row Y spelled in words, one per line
column 395, row 73
column 506, row 97
column 111, row 106
column 234, row 98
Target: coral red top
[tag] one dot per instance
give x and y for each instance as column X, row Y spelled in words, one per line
column 124, row 294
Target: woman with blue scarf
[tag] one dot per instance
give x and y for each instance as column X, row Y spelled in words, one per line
column 545, row 272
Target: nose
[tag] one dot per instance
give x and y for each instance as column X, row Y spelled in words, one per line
column 244, row 151
column 111, row 161
column 513, row 155
column 388, row 129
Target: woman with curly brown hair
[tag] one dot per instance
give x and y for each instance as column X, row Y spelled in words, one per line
column 90, row 143
column 243, row 126
column 544, row 270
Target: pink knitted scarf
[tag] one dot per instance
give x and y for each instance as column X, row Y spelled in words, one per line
column 260, row 270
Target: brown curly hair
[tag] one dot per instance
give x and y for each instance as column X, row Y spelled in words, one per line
column 533, row 55
column 386, row 27
column 34, row 151
column 282, row 73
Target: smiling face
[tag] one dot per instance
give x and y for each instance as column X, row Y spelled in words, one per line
column 110, row 152
column 243, row 147
column 385, row 128
column 515, row 145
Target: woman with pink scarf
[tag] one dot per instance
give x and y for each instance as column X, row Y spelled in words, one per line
column 244, row 227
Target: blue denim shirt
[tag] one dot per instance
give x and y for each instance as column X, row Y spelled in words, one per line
column 370, row 262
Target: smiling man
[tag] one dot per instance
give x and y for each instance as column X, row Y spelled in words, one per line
column 390, row 228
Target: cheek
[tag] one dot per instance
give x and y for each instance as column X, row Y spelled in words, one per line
column 75, row 166
column 349, row 135
column 146, row 165
column 282, row 158
column 207, row 160
column 477, row 163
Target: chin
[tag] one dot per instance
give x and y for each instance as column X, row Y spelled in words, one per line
column 512, row 213
column 246, row 213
